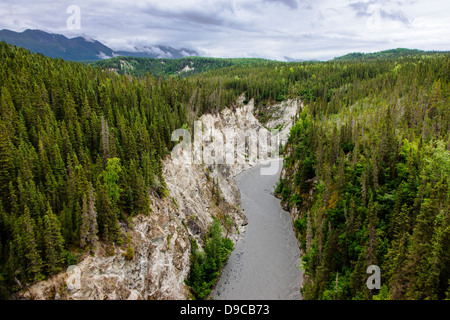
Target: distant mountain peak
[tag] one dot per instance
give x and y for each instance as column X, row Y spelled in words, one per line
column 386, row 54
column 83, row 48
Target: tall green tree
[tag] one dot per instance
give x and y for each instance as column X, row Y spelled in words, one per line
column 54, row 242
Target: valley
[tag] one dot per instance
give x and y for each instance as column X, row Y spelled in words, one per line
column 265, row 263
column 98, row 201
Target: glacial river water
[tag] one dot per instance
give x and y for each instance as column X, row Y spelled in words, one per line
column 264, row 263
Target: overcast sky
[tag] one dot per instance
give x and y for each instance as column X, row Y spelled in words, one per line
column 274, row 29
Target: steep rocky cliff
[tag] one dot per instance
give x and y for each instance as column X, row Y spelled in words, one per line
column 197, row 192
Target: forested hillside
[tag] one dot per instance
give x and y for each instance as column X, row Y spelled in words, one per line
column 367, row 171
column 183, row 67
column 80, row 150
column 388, row 54
column 56, row 45
column 367, row 164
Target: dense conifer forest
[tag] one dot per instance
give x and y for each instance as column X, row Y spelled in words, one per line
column 367, row 163
column 80, row 150
column 183, row 67
column 368, row 169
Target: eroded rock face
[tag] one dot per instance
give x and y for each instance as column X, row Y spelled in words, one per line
column 157, row 271
column 162, row 240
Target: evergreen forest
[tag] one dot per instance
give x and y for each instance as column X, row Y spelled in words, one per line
column 366, row 169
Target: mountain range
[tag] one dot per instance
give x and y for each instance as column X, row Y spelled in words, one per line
column 85, row 49
column 82, row 49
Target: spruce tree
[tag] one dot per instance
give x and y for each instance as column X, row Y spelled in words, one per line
column 88, row 231
column 54, row 242
column 6, row 165
column 28, row 245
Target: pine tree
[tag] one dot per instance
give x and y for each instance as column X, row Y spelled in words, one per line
column 364, row 183
column 108, row 221
column 129, row 255
column 28, row 243
column 54, row 242
column 6, row 165
column 375, row 171
column 85, row 225
column 8, row 113
column 399, row 279
column 105, row 136
column 420, row 255
column 89, row 229
column 309, row 233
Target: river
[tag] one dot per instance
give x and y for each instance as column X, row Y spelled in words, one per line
column 264, row 263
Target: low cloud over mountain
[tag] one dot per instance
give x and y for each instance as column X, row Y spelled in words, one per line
column 83, row 48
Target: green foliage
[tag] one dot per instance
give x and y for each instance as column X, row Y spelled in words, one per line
column 279, row 187
column 367, row 160
column 71, row 258
column 171, row 67
column 54, row 243
column 374, row 177
column 388, row 54
column 285, row 192
column 129, row 255
column 206, row 265
column 80, row 150
column 111, row 178
column 300, row 224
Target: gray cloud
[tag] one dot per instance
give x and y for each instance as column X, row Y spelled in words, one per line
column 365, row 9
column 191, row 16
column 395, row 16
column 299, row 29
column 290, row 3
